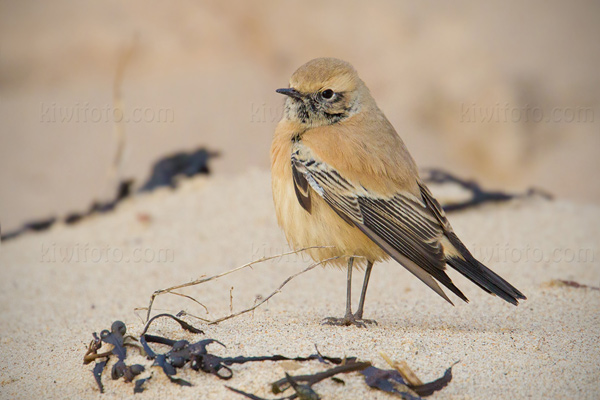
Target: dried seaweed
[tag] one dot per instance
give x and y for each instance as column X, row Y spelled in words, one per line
column 397, row 381
column 139, row 384
column 123, row 191
column 182, row 323
column 349, row 365
column 572, row 284
column 32, row 226
column 197, row 355
column 169, row 369
column 97, row 371
column 200, row 359
column 479, row 195
column 389, row 381
column 429, row 388
column 166, row 169
column 302, row 384
column 163, row 173
column 115, row 337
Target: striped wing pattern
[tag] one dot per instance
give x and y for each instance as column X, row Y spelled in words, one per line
column 402, row 225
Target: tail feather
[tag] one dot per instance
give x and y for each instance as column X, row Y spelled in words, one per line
column 487, row 279
column 481, row 275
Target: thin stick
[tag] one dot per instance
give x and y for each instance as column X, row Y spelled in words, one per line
column 189, row 297
column 118, row 105
column 255, row 306
column 203, row 280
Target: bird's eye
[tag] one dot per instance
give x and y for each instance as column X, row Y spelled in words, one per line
column 327, row 94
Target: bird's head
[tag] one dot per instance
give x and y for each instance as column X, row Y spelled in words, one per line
column 324, row 91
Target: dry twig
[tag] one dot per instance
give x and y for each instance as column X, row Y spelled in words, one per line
column 264, row 300
column 203, row 279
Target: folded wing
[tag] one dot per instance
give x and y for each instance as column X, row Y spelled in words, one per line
column 412, row 230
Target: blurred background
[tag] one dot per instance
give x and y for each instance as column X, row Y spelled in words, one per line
column 504, row 92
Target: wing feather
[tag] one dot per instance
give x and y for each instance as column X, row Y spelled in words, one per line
column 402, row 225
column 301, row 189
column 412, row 229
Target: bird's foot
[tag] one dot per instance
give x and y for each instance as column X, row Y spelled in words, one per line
column 349, row 319
column 358, row 317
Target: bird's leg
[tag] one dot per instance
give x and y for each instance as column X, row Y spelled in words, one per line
column 358, row 315
column 349, row 318
column 349, row 289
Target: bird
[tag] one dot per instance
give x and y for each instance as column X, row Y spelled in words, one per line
column 346, row 189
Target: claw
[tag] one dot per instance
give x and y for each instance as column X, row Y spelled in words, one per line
column 347, row 321
column 366, row 321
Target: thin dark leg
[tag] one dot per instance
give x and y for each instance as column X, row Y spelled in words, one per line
column 349, row 318
column 358, row 316
column 349, row 289
column 363, row 294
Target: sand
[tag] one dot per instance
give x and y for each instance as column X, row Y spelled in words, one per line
column 546, row 348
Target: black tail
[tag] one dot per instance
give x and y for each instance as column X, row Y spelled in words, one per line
column 481, row 275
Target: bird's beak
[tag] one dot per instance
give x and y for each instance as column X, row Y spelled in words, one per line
column 290, row 92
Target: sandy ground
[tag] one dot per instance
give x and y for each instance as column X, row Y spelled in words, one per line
column 51, row 302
